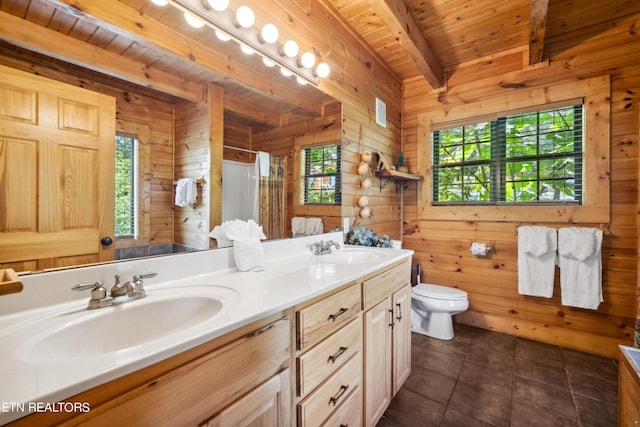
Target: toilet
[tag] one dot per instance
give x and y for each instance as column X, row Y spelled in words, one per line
column 432, row 307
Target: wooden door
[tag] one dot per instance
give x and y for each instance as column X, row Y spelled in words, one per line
column 56, row 173
column 377, row 343
column 401, row 336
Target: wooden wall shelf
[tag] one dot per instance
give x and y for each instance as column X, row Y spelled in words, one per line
column 386, row 174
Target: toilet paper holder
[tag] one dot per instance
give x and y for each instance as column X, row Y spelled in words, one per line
column 482, row 249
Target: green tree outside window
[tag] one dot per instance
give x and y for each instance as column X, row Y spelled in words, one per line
column 125, row 185
column 322, row 175
column 525, row 158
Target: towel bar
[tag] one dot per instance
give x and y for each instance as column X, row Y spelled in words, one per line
column 605, row 227
column 199, row 181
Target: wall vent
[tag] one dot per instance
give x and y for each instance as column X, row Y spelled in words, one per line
column 381, row 113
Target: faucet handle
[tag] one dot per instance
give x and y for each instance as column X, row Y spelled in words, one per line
column 148, row 275
column 97, row 290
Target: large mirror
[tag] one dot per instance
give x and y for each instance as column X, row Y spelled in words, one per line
column 182, row 101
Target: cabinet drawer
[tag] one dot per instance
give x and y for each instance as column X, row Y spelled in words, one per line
column 321, row 404
column 377, row 288
column 323, row 359
column 349, row 413
column 323, row 318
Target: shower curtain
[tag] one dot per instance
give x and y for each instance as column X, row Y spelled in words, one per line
column 272, row 194
column 247, row 195
column 239, row 191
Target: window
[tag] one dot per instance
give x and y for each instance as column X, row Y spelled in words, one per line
column 126, row 184
column 533, row 157
column 322, row 175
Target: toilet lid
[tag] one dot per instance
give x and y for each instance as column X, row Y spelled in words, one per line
column 438, row 292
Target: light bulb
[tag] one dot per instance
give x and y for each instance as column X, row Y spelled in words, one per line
column 218, row 5
column 193, row 21
column 323, row 70
column 222, row 36
column 286, row 72
column 246, row 49
column 308, row 59
column 269, row 63
column 290, row 48
column 160, row 2
column 245, row 17
column 301, row 81
column 269, row 33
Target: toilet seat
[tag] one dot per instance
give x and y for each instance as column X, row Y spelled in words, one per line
column 438, row 292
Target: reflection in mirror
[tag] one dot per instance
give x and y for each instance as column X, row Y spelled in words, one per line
column 66, row 219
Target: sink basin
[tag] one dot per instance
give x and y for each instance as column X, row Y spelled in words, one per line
column 347, row 256
column 120, row 328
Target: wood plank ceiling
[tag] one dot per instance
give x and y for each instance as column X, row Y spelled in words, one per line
column 431, row 38
column 134, row 41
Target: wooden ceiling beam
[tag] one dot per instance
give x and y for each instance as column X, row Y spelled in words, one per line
column 133, row 24
column 29, row 36
column 249, row 110
column 537, row 30
column 395, row 15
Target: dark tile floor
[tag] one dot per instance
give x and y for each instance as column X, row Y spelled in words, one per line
column 484, row 378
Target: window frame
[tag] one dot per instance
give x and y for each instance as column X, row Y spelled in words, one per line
column 595, row 93
column 495, row 143
column 337, row 175
column 134, row 188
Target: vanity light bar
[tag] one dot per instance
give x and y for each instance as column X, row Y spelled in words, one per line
column 224, row 21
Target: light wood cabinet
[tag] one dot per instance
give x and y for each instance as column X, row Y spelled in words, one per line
column 387, row 338
column 348, row 352
column 628, row 394
column 377, row 365
column 401, row 301
column 329, row 359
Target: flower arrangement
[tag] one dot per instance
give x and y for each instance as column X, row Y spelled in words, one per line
column 364, row 237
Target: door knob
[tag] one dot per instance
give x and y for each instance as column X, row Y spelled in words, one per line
column 106, row 241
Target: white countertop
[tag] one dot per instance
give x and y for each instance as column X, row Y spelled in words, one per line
column 292, row 275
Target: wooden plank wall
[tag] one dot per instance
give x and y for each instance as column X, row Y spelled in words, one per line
column 134, row 110
column 237, row 134
column 442, row 247
column 192, row 160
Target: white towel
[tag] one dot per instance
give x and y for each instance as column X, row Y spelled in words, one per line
column 580, row 266
column 263, row 163
column 248, row 253
column 186, row 192
column 313, row 226
column 298, row 226
column 536, row 260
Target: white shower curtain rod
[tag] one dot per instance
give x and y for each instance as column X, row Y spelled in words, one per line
column 240, row 149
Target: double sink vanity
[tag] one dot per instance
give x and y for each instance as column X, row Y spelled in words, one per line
column 312, row 339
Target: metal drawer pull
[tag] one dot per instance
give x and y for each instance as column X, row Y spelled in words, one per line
column 340, row 352
column 342, row 311
column 399, row 317
column 343, row 390
column 392, row 324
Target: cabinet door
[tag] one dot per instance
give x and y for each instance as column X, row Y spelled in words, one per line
column 266, row 406
column 629, row 396
column 401, row 336
column 377, row 343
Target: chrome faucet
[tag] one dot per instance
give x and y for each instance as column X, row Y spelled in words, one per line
column 119, row 293
column 323, row 248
